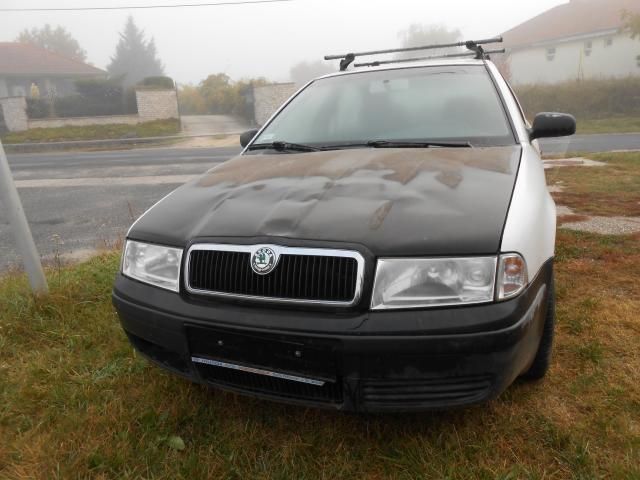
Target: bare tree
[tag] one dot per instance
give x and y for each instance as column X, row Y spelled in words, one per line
column 57, row 40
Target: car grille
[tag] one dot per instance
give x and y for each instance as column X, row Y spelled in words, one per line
column 301, row 277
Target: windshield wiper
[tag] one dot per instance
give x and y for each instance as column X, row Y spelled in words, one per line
column 284, row 147
column 409, row 144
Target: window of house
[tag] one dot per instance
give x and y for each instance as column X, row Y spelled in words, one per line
column 588, row 46
column 608, row 41
column 551, row 54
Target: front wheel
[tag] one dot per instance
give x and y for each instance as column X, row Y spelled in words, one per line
column 541, row 362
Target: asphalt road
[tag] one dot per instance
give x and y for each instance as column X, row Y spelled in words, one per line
column 591, row 143
column 77, row 202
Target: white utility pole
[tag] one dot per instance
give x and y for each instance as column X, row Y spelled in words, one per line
column 20, row 227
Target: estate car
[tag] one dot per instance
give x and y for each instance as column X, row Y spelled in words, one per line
column 384, row 242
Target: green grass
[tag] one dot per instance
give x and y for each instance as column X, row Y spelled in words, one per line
column 609, row 125
column 156, row 128
column 77, row 402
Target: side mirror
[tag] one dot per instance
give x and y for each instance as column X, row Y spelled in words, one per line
column 247, row 136
column 551, row 124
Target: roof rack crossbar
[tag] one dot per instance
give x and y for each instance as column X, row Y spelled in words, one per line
column 347, row 58
column 486, row 53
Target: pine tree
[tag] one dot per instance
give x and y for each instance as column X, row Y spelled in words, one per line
column 135, row 57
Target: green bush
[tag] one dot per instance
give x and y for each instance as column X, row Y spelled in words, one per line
column 82, row 106
column 219, row 94
column 161, row 82
column 94, row 97
column 104, row 88
column 37, row 108
column 585, row 99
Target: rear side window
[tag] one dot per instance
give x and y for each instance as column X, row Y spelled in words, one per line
column 457, row 103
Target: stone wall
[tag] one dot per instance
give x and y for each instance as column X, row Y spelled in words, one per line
column 152, row 105
column 14, row 110
column 269, row 98
column 157, row 104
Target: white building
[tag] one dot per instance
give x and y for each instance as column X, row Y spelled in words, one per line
column 581, row 39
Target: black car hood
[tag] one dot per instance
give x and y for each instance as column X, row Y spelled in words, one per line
column 437, row 201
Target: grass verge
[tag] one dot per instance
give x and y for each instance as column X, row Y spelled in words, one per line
column 76, row 402
column 609, row 125
column 156, row 128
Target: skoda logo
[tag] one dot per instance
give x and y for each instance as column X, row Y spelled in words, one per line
column 264, row 260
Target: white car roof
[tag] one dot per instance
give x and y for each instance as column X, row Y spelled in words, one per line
column 437, row 62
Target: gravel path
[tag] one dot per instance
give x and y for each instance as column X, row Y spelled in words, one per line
column 572, row 162
column 593, row 224
column 606, row 225
column 601, row 225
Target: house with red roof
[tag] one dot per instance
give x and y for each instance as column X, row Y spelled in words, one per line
column 23, row 65
column 581, row 39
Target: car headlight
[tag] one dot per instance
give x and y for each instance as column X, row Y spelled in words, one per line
column 152, row 264
column 431, row 282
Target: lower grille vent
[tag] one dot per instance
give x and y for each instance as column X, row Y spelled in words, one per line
column 254, row 383
column 434, row 392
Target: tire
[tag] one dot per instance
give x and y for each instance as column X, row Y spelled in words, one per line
column 542, row 360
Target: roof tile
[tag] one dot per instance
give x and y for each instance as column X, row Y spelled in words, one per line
column 577, row 17
column 24, row 60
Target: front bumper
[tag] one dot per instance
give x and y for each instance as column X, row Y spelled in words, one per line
column 360, row 361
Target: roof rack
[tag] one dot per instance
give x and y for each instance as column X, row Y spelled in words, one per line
column 377, row 63
column 476, row 47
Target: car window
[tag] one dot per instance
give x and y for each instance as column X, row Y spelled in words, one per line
column 435, row 103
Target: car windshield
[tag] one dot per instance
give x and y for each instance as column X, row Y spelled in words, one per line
column 453, row 103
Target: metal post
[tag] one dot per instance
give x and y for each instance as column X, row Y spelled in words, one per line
column 20, row 227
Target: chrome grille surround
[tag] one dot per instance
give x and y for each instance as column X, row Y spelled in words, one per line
column 279, row 251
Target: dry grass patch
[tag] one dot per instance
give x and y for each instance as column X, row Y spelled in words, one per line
column 571, row 218
column 613, row 190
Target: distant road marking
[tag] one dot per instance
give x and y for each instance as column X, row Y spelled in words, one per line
column 105, row 181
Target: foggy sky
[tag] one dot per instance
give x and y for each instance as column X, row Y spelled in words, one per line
column 264, row 40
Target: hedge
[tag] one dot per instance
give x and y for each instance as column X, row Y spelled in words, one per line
column 158, row 82
column 585, row 99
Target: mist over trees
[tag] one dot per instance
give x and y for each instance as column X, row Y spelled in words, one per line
column 57, row 40
column 413, row 36
column 417, row 35
column 302, row 72
column 135, row 57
